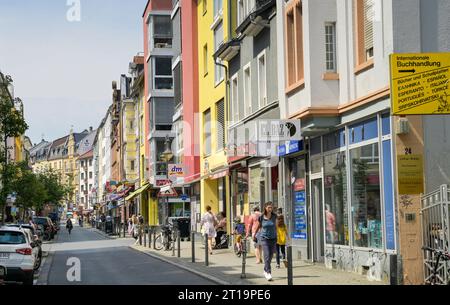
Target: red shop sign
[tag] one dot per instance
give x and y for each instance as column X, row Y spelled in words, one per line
column 299, row 184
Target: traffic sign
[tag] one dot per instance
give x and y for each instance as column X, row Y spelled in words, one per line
column 420, row 83
column 184, row 197
column 168, row 192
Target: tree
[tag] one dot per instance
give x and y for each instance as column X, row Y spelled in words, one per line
column 30, row 191
column 54, row 189
column 12, row 124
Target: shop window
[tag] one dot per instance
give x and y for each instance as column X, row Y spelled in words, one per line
column 386, row 124
column 257, row 186
column 363, row 131
column 299, row 210
column 335, row 198
column 334, row 140
column 366, row 200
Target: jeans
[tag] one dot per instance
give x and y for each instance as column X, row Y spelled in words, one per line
column 282, row 249
column 268, row 247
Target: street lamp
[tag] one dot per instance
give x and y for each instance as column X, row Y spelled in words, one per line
column 166, row 156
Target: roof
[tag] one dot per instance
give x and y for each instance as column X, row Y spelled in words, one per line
column 14, row 229
column 86, row 143
column 87, row 155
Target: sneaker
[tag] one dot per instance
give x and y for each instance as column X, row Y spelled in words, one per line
column 278, row 266
column 267, row 276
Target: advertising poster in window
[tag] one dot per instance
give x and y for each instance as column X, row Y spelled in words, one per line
column 299, row 215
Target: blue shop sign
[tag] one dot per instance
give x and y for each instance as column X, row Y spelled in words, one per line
column 299, row 211
column 300, row 226
column 300, row 197
column 299, row 235
column 290, row 147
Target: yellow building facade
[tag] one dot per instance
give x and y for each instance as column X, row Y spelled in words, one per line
column 212, row 31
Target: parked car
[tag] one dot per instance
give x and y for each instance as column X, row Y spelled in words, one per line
column 34, row 238
column 17, row 255
column 49, row 229
column 2, row 274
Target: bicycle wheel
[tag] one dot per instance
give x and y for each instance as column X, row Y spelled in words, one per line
column 159, row 242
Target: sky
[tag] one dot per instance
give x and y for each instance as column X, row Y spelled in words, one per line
column 63, row 70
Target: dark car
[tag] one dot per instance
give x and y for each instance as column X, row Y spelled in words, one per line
column 49, row 228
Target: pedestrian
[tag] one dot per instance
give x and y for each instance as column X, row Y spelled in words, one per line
column 331, row 225
column 268, row 236
column 221, row 229
column 282, row 237
column 130, row 226
column 208, row 222
column 136, row 229
column 69, row 225
column 252, row 229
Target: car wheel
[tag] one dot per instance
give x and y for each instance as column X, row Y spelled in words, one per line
column 29, row 280
column 38, row 262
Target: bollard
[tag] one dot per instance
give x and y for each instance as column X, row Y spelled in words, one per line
column 193, row 246
column 145, row 237
column 150, row 237
column 179, row 243
column 154, row 238
column 289, row 268
column 140, row 236
column 173, row 241
column 244, row 257
column 124, row 228
column 206, row 250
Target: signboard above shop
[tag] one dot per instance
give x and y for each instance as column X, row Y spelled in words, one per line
column 420, row 83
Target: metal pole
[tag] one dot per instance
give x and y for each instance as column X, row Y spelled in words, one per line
column 124, row 228
column 145, row 237
column 193, row 246
column 173, row 241
column 150, row 236
column 289, row 268
column 154, row 238
column 178, row 243
column 244, row 257
column 206, row 250
column 140, row 235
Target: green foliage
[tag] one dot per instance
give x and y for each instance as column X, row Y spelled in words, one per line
column 55, row 190
column 31, row 192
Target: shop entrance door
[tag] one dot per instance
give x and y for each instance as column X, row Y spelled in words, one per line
column 317, row 220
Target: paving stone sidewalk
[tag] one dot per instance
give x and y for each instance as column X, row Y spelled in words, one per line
column 225, row 268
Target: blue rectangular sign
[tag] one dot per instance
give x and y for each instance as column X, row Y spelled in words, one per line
column 290, row 148
column 300, row 196
column 299, row 235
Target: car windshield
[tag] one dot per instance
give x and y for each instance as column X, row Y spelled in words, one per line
column 23, row 226
column 11, row 238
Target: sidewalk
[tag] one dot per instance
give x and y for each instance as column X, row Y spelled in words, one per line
column 225, row 268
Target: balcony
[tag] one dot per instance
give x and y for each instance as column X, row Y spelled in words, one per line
column 257, row 18
column 228, row 50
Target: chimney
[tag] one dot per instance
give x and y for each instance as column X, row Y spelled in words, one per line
column 90, row 128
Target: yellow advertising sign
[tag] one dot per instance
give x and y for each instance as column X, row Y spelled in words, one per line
column 410, row 174
column 420, row 83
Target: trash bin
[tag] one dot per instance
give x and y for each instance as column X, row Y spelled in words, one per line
column 184, row 225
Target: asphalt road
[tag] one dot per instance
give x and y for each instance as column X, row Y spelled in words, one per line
column 108, row 262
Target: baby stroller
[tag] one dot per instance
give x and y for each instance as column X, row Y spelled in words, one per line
column 222, row 240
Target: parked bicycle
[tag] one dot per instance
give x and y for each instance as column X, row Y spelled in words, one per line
column 165, row 238
column 437, row 257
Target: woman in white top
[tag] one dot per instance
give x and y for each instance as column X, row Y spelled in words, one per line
column 208, row 223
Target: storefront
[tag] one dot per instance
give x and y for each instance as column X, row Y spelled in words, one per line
column 345, row 182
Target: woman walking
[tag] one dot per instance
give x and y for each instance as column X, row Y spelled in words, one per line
column 136, row 229
column 209, row 222
column 268, row 235
column 282, row 236
column 252, row 229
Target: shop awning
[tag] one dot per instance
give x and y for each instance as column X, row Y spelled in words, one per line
column 137, row 192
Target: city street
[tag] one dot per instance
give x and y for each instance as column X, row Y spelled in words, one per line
column 108, row 262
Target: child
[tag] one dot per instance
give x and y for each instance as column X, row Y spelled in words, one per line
column 281, row 240
column 239, row 231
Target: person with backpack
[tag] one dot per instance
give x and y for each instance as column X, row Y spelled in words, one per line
column 268, row 235
column 252, row 229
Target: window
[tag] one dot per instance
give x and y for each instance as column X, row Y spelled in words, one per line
column 132, row 165
column 205, row 59
column 90, row 187
column 220, row 127
column 218, row 39
column 163, row 73
column 82, row 199
column 90, row 175
column 131, row 124
column 177, row 78
column 364, row 19
column 234, row 99
column 330, row 47
column 90, row 162
column 82, row 176
column 294, row 47
column 141, row 129
column 161, row 113
column 247, row 91
column 244, row 9
column 218, row 7
column 82, row 188
column 366, row 199
column 207, row 131
column 335, row 197
column 262, row 80
column 162, row 31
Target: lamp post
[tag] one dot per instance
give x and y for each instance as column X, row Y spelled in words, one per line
column 166, row 156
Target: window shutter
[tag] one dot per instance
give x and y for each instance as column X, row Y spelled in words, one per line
column 369, row 15
column 221, row 125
